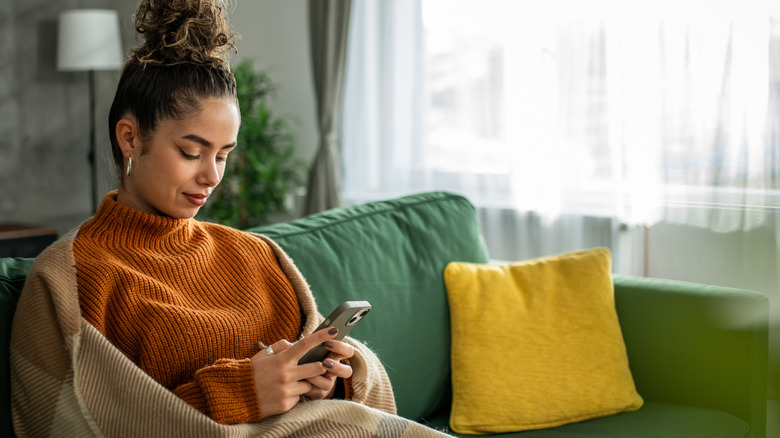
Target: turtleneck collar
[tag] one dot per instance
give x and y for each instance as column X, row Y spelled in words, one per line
column 122, row 225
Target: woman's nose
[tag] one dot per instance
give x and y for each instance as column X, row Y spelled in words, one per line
column 209, row 174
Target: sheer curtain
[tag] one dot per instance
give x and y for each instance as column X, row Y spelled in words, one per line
column 583, row 122
column 383, row 126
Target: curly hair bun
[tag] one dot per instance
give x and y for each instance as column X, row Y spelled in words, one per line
column 183, row 31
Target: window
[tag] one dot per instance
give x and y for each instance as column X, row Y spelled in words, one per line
column 622, row 109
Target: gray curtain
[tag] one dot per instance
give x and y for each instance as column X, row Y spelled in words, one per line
column 329, row 26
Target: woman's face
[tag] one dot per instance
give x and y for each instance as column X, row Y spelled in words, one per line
column 183, row 162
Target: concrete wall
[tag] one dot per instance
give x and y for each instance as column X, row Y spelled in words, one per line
column 44, row 173
column 44, row 116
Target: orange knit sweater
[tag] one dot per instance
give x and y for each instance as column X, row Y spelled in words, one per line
column 187, row 301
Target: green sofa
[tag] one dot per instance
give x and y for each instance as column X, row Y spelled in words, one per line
column 698, row 353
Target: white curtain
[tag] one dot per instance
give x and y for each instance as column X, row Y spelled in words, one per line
column 587, row 120
column 384, row 104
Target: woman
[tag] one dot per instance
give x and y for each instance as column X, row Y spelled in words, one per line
column 144, row 321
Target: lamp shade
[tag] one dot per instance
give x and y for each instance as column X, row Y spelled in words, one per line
column 89, row 40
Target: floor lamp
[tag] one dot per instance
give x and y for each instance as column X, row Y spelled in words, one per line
column 89, row 40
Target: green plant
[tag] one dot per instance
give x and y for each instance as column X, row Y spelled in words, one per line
column 261, row 171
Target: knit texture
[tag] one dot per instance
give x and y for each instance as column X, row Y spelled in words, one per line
column 187, row 301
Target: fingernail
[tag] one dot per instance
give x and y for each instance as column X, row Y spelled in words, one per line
column 327, row 364
column 333, row 331
column 328, row 344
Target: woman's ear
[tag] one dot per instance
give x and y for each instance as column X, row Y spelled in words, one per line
column 127, row 137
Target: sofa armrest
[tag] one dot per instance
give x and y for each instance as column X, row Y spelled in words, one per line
column 697, row 345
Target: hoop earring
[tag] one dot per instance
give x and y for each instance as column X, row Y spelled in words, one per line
column 129, row 165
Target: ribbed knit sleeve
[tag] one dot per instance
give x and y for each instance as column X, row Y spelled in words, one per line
column 224, row 391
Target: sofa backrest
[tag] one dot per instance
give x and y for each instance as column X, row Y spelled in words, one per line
column 392, row 254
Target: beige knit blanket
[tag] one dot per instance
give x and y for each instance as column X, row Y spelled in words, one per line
column 68, row 380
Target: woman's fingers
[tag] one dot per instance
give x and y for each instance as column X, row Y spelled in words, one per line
column 323, row 386
column 339, row 350
column 324, row 381
column 300, row 348
column 336, row 368
column 278, row 347
column 280, row 381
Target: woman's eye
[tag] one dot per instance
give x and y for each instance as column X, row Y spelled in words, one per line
column 189, row 157
column 222, row 159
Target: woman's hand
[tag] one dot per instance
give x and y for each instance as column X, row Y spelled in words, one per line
column 325, row 385
column 280, row 381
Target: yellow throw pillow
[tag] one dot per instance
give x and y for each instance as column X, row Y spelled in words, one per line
column 536, row 344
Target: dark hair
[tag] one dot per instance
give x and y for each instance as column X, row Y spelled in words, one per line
column 182, row 60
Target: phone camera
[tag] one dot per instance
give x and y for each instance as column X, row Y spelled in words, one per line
column 357, row 317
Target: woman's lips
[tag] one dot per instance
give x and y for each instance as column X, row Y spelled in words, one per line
column 197, row 200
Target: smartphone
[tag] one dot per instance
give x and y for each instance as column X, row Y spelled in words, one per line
column 344, row 318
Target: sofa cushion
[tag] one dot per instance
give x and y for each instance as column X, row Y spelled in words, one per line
column 392, row 254
column 13, row 272
column 536, row 344
column 653, row 420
